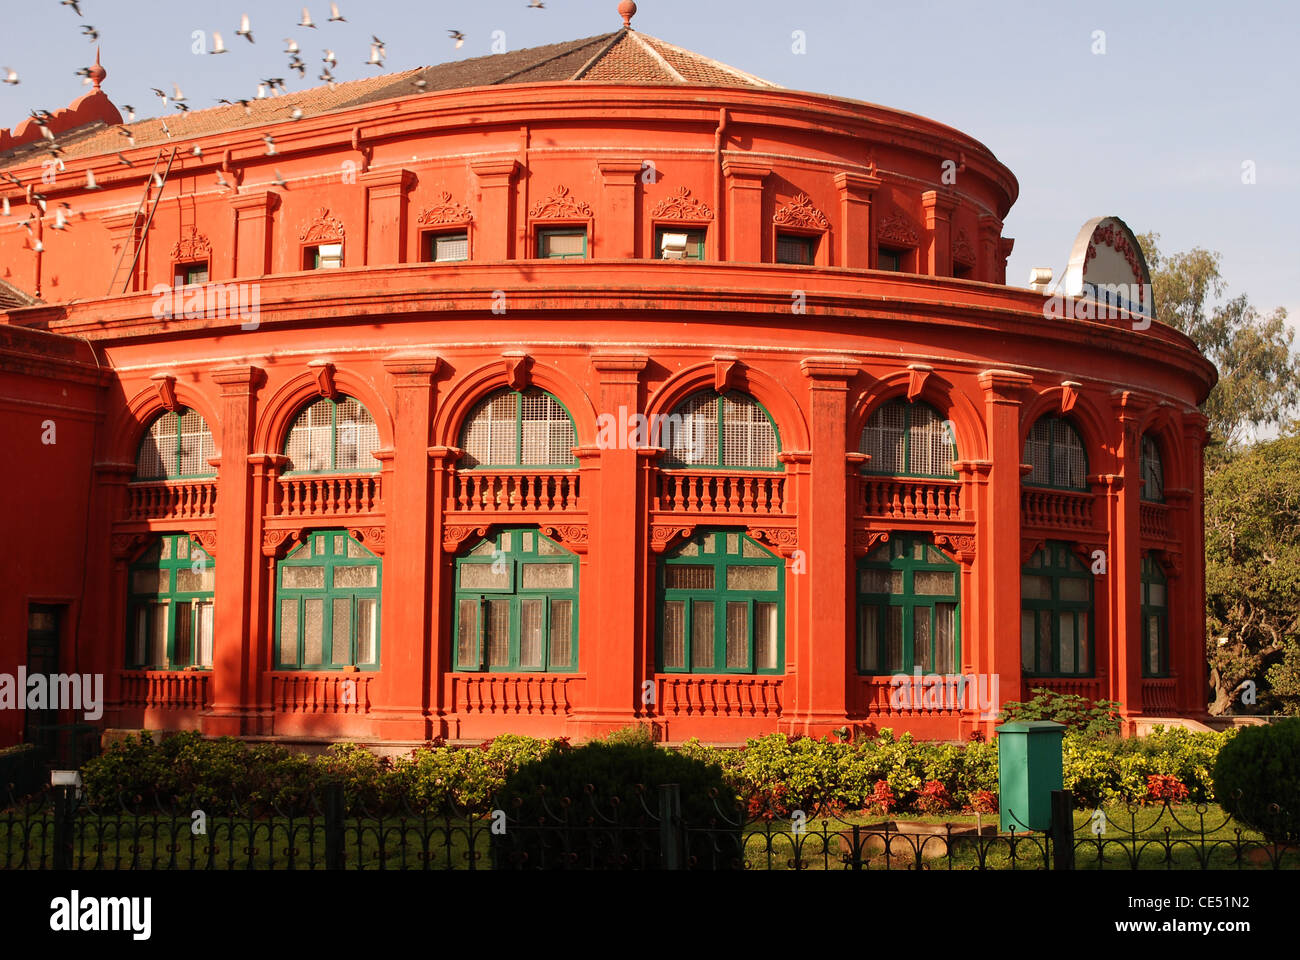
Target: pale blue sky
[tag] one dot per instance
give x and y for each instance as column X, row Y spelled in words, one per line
column 1154, row 131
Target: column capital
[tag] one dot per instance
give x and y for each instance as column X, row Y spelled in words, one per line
column 414, row 370
column 857, row 186
column 503, row 170
column 620, row 172
column 751, row 170
column 445, row 455
column 823, row 369
column 391, row 177
column 620, row 363
column 266, row 200
column 238, row 379
column 935, row 202
column 1005, row 386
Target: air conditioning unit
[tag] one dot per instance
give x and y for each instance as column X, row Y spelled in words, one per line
column 674, row 246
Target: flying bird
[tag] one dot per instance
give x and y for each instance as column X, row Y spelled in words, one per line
column 375, row 40
column 84, row 72
column 178, row 96
column 124, row 161
column 158, row 93
column 60, row 220
column 296, row 114
column 419, row 83
column 334, row 14
column 245, row 28
column 74, row 4
column 330, row 59
column 296, row 64
column 130, row 138
column 326, row 76
column 91, row 32
column 376, row 57
column 166, row 129
column 38, row 247
column 218, row 45
column 270, row 145
column 198, row 151
column 279, row 180
column 306, row 19
column 222, row 181
column 158, row 180
column 536, row 5
column 182, row 107
column 90, row 181
column 130, row 112
column 11, row 76
column 4, row 206
column 458, row 37
column 292, row 45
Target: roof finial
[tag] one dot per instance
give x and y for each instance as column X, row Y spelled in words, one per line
column 97, row 73
column 627, row 9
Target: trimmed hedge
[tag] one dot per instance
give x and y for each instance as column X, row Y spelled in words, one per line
column 1257, row 779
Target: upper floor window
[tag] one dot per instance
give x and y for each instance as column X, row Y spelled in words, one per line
column 1153, row 470
column 908, row 439
column 887, row 259
column 674, row 244
column 1155, row 619
column 1055, row 614
column 727, row 431
column 513, row 428
column 191, row 273
column 333, row 436
column 169, row 606
column 1055, row 452
column 792, row 248
column 324, row 256
column 562, row 244
column 907, row 608
column 177, row 446
column 445, row 247
column 327, row 605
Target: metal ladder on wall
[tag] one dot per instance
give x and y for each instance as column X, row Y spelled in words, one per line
column 135, row 242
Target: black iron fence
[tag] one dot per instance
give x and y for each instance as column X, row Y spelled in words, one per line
column 58, row 830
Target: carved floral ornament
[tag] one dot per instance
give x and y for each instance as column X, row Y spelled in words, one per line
column 322, row 228
column 446, row 211
column 897, row 228
column 192, row 246
column 1115, row 238
column 278, row 542
column 680, row 205
column 800, row 212
column 963, row 251
column 560, row 205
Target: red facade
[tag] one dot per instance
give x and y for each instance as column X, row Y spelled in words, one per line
column 888, row 391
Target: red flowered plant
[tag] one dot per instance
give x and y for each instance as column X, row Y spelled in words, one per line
column 933, row 798
column 882, row 798
column 1164, row 787
column 769, row 802
column 982, row 801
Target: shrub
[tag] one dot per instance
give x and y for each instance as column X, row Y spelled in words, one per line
column 1258, row 769
column 1092, row 718
column 1165, row 788
column 933, row 798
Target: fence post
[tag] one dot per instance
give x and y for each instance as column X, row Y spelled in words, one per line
column 334, row 855
column 65, row 810
column 670, row 825
column 1062, row 830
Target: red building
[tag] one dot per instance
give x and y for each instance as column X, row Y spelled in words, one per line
column 564, row 389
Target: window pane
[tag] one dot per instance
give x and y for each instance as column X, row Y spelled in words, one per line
column 1074, row 589
column 548, row 434
column 695, row 441
column 894, row 640
column 797, row 250
column 1082, row 620
column 748, row 437
column 1065, row 625
column 313, row 631
column 563, row 244
column 1045, row 662
column 929, row 443
column 490, row 433
column 1157, row 594
column 545, row 548
column 674, row 639
column 367, row 629
column 921, row 639
column 766, row 632
column 945, row 638
column 547, row 576
column 737, row 635
column 356, row 551
column 561, row 633
column 869, row 638
column 356, row 438
column 151, row 581
column 498, row 633
column 289, row 631
column 157, row 654
column 752, row 551
column 367, row 576
column 1035, row 588
column 882, row 439
column 453, row 246
column 204, row 638
column 530, row 633
column 203, row 581
column 481, row 576
column 1027, row 620
column 702, row 634
column 181, row 651
column 680, row 576
column 304, row 578
column 929, row 583
column 196, row 445
column 467, row 634
column 341, row 631
column 752, row 578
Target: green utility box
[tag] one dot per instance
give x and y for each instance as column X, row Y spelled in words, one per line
column 1029, row 769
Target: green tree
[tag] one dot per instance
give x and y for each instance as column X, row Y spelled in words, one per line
column 1259, row 377
column 1252, row 577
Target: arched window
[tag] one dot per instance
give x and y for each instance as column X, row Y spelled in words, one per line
column 513, row 428
column 177, row 446
column 1155, row 620
column 169, row 606
column 1153, row 470
column 1056, row 454
column 327, row 605
column 333, row 436
column 1055, row 614
column 730, row 431
column 908, row 440
column 722, row 606
column 516, row 605
column 908, row 593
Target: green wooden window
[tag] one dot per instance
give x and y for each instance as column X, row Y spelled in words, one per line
column 511, row 428
column 177, row 446
column 1056, row 592
column 191, row 273
column 333, row 436
column 567, row 244
column 1153, row 471
column 516, row 605
column 1155, row 619
column 446, row 247
column 694, row 243
column 327, row 605
column 908, row 440
column 728, row 431
column 169, row 606
column 1055, row 452
column 908, row 608
column 791, row 248
column 722, row 606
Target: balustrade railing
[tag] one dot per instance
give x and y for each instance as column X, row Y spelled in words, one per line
column 1055, row 508
column 1158, row 696
column 165, row 689
column 761, row 494
column 320, row 693
column 687, row 696
column 482, row 491
column 311, row 495
column 527, row 694
column 172, row 499
column 1154, row 521
column 892, row 498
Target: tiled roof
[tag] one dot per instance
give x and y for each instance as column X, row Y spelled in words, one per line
column 624, row 56
column 11, row 297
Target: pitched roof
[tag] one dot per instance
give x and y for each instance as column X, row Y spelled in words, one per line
column 12, row 298
column 624, row 56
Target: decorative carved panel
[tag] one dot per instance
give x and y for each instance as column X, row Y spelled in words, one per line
column 963, row 251
column 454, row 535
column 193, row 246
column 897, row 228
column 322, row 228
column 800, row 212
column 663, row 536
column 680, row 205
column 445, row 211
column 560, row 205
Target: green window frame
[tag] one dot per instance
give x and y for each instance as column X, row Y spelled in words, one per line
column 545, row 236
column 721, row 606
column 694, row 242
column 1056, row 614
column 1056, row 454
column 170, row 591
column 445, row 246
column 906, row 439
column 1153, row 471
column 722, row 431
column 327, row 604
column 324, row 256
column 191, row 273
column 177, row 446
column 333, row 436
column 1155, row 619
column 909, row 608
column 518, row 428
column 515, row 606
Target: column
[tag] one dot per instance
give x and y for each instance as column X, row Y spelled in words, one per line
column 234, row 667
column 745, row 227
column 442, row 464
column 936, row 252
column 998, row 524
column 1124, row 555
column 990, row 233
column 496, row 181
column 617, row 238
column 386, row 204
column 855, row 247
column 1187, row 651
column 104, row 602
column 253, row 229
